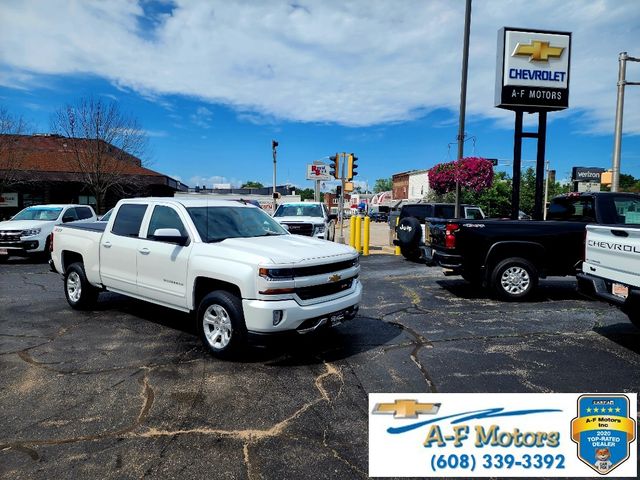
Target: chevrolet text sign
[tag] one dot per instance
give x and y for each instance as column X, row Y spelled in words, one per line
column 532, row 69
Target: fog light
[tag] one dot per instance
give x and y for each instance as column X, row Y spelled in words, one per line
column 277, row 317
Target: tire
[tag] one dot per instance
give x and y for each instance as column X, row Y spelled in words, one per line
column 634, row 317
column 221, row 324
column 80, row 294
column 4, row 258
column 514, row 279
column 411, row 255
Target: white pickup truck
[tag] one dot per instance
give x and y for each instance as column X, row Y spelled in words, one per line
column 231, row 264
column 611, row 269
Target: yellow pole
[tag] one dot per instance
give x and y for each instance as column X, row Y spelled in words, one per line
column 367, row 224
column 358, row 228
column 397, row 251
column 352, row 231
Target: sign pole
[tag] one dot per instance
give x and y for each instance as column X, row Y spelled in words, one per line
column 538, row 207
column 517, row 165
column 316, row 195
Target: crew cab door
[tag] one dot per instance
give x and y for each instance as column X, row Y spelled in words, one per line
column 119, row 248
column 162, row 266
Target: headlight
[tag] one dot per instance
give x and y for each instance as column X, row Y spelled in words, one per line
column 276, row 273
column 30, row 232
column 356, row 261
column 319, row 228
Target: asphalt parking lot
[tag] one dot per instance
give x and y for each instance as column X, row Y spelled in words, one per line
column 127, row 391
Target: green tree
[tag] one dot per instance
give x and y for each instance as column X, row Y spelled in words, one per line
column 383, row 185
column 252, row 184
column 628, row 183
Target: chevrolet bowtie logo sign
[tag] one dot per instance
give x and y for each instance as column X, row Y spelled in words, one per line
column 406, row 408
column 538, row 50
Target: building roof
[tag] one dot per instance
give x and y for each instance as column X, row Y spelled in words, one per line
column 54, row 153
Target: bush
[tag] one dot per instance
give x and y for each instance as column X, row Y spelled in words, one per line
column 473, row 173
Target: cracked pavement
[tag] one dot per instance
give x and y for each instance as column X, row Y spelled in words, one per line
column 126, row 391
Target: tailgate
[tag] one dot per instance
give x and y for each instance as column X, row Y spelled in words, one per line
column 613, row 253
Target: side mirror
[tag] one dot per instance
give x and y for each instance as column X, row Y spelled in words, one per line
column 170, row 235
column 333, row 216
column 67, row 219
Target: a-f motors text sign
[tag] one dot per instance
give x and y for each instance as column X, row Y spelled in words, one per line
column 532, row 69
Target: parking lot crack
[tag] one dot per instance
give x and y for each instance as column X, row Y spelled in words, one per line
column 337, row 455
column 418, row 342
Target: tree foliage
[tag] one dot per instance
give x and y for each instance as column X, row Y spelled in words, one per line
column 105, row 143
column 383, row 185
column 252, row 184
column 472, row 173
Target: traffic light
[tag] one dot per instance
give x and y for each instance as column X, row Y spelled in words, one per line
column 351, row 166
column 339, row 190
column 494, row 161
column 334, row 166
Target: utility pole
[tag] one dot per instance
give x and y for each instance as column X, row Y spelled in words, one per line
column 341, row 202
column 617, row 137
column 274, row 146
column 463, row 96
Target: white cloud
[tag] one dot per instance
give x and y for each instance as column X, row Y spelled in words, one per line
column 355, row 63
column 202, row 117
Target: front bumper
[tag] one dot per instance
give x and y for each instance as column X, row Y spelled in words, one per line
column 298, row 318
column 22, row 247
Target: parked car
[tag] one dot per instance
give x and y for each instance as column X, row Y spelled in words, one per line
column 29, row 231
column 379, row 217
column 611, row 268
column 237, row 269
column 509, row 256
column 411, row 229
column 311, row 219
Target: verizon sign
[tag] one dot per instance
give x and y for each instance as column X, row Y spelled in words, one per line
column 532, row 69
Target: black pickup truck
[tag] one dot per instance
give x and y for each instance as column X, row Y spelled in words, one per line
column 509, row 256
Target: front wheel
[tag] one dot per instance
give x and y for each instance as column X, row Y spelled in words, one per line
column 221, row 324
column 80, row 294
column 514, row 279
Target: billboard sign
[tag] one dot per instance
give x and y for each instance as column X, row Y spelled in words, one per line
column 8, row 200
column 586, row 174
column 532, row 69
column 318, row 172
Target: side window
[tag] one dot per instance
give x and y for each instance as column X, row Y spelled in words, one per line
column 70, row 215
column 83, row 213
column 628, row 210
column 165, row 217
column 128, row 220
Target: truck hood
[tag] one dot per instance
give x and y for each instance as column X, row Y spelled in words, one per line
column 289, row 249
column 25, row 224
column 315, row 220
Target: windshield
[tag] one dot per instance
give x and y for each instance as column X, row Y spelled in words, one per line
column 215, row 224
column 38, row 213
column 299, row 210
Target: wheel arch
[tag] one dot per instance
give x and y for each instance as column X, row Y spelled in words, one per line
column 204, row 285
column 531, row 251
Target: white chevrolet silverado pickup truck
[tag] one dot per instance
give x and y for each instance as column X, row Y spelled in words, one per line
column 611, row 269
column 232, row 265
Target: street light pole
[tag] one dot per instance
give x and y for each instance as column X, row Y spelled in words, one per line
column 617, row 137
column 274, row 146
column 463, row 96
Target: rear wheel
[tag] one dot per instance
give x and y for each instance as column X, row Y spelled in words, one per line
column 221, row 324
column 514, row 279
column 80, row 294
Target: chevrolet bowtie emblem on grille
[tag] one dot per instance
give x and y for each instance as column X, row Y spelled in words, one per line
column 406, row 408
column 334, row 278
column 538, row 50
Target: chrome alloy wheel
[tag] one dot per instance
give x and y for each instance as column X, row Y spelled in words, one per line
column 74, row 287
column 217, row 326
column 515, row 280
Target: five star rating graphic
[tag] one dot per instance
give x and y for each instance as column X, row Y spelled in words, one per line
column 406, row 408
column 538, row 50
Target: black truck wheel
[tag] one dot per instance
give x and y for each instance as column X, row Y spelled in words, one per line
column 409, row 233
column 514, row 279
column 80, row 294
column 221, row 324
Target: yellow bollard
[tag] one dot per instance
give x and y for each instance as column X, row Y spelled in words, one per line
column 352, row 231
column 358, row 236
column 367, row 225
column 397, row 251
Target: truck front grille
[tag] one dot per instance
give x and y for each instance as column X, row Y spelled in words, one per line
column 10, row 236
column 324, row 290
column 300, row 228
column 325, row 268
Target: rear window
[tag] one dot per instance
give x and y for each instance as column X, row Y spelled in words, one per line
column 128, row 220
column 628, row 210
column 418, row 211
column 572, row 209
column 445, row 211
column 83, row 213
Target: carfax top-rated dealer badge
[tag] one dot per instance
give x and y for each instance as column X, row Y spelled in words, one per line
column 603, row 431
column 502, row 435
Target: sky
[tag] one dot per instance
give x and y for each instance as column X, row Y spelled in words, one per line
column 214, row 82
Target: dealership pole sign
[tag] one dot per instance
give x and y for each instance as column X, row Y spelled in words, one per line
column 532, row 69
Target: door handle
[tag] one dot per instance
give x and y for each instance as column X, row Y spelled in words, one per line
column 620, row 233
column 145, row 251
column 106, row 244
